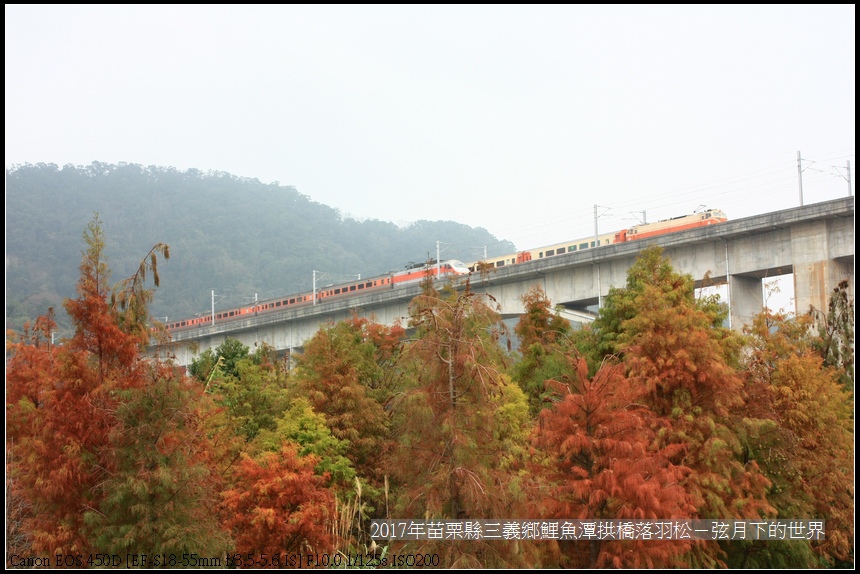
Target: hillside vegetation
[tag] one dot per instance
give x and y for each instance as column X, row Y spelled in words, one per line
column 234, row 235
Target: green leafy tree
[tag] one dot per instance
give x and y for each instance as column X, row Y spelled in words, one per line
column 544, row 338
column 224, row 361
column 254, row 398
column 301, row 426
column 160, row 494
column 205, row 366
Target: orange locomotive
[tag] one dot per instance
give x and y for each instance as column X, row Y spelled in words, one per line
column 643, row 231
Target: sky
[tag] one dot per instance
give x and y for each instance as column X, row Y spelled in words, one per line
column 517, row 119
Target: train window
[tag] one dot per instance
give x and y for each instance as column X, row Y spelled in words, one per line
column 551, row 252
column 500, row 263
column 337, row 291
column 352, row 287
column 361, row 286
column 583, row 245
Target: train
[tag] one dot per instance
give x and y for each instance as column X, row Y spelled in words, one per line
column 413, row 273
column 635, row 233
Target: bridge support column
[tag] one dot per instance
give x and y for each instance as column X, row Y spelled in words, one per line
column 815, row 276
column 745, row 296
column 815, row 281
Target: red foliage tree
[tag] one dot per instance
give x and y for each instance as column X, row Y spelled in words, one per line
column 101, row 433
column 278, row 506
column 61, row 409
column 606, row 464
column 685, row 364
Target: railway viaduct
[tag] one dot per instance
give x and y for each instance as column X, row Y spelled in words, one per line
column 814, row 242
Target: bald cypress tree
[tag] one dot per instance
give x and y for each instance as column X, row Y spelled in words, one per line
column 461, row 427
column 108, row 448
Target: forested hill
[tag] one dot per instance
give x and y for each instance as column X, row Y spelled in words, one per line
column 234, row 235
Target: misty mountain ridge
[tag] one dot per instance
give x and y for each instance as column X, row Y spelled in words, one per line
column 234, row 235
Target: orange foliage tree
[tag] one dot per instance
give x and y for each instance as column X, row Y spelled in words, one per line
column 803, row 439
column 343, row 374
column 686, row 365
column 461, row 427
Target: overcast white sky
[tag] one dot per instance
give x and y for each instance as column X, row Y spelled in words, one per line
column 517, row 119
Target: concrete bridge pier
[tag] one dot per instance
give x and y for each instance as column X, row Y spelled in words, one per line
column 815, row 281
column 746, row 299
column 816, row 277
